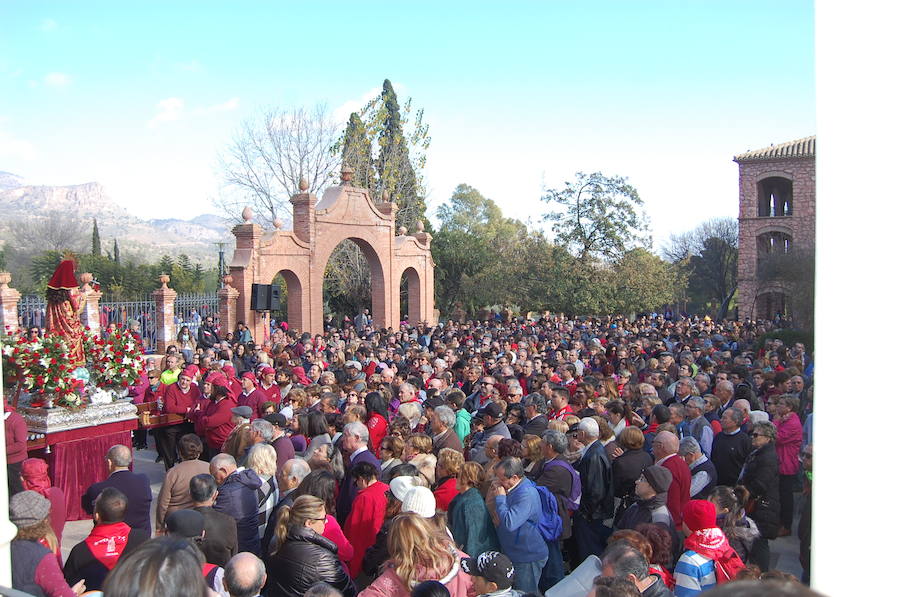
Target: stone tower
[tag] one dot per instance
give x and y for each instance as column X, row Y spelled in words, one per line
column 777, row 215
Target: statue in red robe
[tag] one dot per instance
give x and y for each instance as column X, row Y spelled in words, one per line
column 64, row 306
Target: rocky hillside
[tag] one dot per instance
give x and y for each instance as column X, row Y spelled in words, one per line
column 21, row 203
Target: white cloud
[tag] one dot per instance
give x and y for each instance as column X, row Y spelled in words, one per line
column 48, row 25
column 12, row 147
column 167, row 110
column 57, row 79
column 227, row 106
column 342, row 113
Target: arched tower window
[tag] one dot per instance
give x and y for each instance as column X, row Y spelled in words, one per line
column 775, row 197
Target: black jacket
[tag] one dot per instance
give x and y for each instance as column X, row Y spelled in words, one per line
column 729, row 452
column 596, row 483
column 220, row 538
column 206, row 337
column 760, row 477
column 135, row 486
column 81, row 563
column 304, row 559
column 537, row 426
column 626, row 470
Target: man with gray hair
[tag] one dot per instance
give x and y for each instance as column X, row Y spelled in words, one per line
column 237, row 498
column 703, row 473
column 596, row 505
column 354, row 445
column 564, row 482
column 290, row 475
column 730, row 447
column 245, row 575
column 442, row 420
column 135, row 486
column 698, row 427
column 535, row 414
column 725, row 393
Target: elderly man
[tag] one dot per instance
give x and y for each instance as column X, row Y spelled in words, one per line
column 245, row 575
column 493, row 426
column 220, row 541
column 482, row 395
column 564, row 482
column 665, row 451
column 597, row 492
column 622, row 560
column 354, row 445
column 703, row 473
column 281, row 441
column 407, row 393
column 730, row 448
column 517, row 506
column 442, row 420
column 237, row 498
column 290, row 475
column 725, row 393
column 535, row 418
column 698, row 425
column 684, row 389
column 135, row 486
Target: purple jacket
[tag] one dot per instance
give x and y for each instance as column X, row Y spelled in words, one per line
column 284, row 450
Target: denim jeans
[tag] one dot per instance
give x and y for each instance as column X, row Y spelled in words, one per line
column 555, row 569
column 528, row 575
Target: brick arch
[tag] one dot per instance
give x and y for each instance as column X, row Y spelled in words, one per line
column 344, row 213
column 774, row 174
column 414, row 292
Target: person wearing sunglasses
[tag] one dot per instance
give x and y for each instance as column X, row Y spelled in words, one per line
column 760, row 477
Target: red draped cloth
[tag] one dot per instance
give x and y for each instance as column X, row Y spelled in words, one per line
column 77, row 459
column 64, row 319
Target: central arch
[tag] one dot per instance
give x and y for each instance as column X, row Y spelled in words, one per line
column 376, row 272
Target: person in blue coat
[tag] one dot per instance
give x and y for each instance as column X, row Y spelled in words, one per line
column 237, row 498
column 517, row 512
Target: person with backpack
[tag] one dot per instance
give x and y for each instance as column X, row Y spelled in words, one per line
column 564, row 483
column 708, row 558
column 518, row 515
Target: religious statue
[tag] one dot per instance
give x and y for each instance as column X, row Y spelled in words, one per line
column 65, row 302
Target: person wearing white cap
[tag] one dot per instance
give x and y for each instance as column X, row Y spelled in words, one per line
column 419, row 500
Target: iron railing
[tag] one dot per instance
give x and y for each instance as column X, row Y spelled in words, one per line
column 190, row 309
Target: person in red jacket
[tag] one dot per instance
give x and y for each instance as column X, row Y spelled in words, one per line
column 377, row 421
column 665, row 450
column 449, row 463
column 179, row 399
column 216, row 421
column 367, row 515
column 16, row 446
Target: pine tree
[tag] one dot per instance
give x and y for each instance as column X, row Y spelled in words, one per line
column 357, row 153
column 116, row 252
column 95, row 241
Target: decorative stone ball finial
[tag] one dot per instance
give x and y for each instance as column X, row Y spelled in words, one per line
column 385, row 196
column 227, row 279
column 164, row 281
column 304, row 185
column 247, row 214
column 5, row 279
column 402, row 230
column 86, row 278
column 277, row 223
column 420, row 226
column 347, row 173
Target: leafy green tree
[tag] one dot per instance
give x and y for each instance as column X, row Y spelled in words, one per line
column 597, row 217
column 116, row 256
column 640, row 281
column 95, row 240
column 357, row 153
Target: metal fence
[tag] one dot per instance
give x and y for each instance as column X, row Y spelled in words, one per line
column 190, row 309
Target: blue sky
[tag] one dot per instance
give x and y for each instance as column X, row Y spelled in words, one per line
column 143, row 96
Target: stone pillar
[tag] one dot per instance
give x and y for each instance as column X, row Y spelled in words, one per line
column 9, row 305
column 91, row 315
column 164, row 297
column 228, row 299
column 304, row 204
column 243, row 271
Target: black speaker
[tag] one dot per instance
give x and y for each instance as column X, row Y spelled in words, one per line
column 259, row 297
column 275, row 297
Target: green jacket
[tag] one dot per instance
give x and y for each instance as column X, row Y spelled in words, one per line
column 471, row 524
column 463, row 425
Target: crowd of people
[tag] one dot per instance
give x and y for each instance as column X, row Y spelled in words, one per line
column 487, row 458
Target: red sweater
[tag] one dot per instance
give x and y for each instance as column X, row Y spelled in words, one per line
column 445, row 493
column 364, row 522
column 177, row 402
column 215, row 422
column 680, row 490
column 378, row 428
column 16, row 437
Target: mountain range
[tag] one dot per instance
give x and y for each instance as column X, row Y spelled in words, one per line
column 23, row 203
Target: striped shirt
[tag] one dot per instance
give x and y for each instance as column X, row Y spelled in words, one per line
column 694, row 574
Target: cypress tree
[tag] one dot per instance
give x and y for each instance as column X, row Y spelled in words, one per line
column 357, row 153
column 116, row 251
column 95, row 241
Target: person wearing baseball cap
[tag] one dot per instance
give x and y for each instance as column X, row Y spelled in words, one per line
column 492, row 416
column 492, row 574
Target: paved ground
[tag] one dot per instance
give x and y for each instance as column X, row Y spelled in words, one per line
column 785, row 550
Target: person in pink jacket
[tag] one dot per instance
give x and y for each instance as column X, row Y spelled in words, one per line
column 787, row 446
column 417, row 554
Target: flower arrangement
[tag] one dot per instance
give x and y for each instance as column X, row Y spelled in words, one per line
column 43, row 368
column 116, row 360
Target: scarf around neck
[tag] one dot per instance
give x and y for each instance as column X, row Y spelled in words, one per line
column 107, row 541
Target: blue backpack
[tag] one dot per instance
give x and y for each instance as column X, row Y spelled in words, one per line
column 549, row 524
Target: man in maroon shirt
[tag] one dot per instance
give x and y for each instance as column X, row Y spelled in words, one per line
column 665, row 451
column 250, row 395
column 268, row 387
column 179, row 399
column 16, row 446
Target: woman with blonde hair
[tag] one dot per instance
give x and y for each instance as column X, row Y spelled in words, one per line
column 418, row 552
column 301, row 555
column 449, row 463
column 262, row 460
column 533, row 454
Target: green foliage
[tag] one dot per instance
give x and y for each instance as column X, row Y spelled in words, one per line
column 95, row 240
column 640, row 281
column 116, row 256
column 597, row 217
column 357, row 153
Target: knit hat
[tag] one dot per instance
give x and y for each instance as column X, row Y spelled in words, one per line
column 492, row 566
column 659, row 477
column 699, row 515
column 402, row 485
column 185, row 523
column 419, row 500
column 267, row 371
column 28, row 508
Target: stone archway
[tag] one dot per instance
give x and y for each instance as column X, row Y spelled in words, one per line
column 319, row 225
